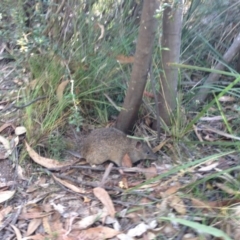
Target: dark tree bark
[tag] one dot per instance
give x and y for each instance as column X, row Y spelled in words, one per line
column 170, row 44
column 132, row 101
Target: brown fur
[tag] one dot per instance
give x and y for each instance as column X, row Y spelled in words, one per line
column 111, row 144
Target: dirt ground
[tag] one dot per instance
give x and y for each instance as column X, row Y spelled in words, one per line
column 6, row 171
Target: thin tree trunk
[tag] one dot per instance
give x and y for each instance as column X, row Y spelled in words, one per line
column 170, row 44
column 133, row 99
column 213, row 77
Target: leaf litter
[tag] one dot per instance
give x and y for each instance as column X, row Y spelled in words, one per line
column 69, row 209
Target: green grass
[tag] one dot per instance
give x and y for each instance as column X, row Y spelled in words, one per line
column 85, row 59
column 199, row 227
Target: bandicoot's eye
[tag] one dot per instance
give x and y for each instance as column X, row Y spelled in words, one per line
column 148, row 152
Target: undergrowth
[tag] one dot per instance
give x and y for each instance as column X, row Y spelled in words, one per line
column 86, row 53
column 97, row 82
column 83, row 50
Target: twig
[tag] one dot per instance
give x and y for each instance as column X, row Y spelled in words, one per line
column 90, row 184
column 153, row 83
column 106, row 174
column 30, row 103
column 124, row 169
column 12, row 219
column 13, row 105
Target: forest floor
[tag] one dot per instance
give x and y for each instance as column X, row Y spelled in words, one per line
column 167, row 199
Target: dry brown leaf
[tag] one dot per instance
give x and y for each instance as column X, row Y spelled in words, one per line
column 4, row 212
column 20, row 130
column 125, row 59
column 18, row 82
column 148, row 121
column 98, row 233
column 141, row 228
column 17, row 232
column 69, row 185
column 150, row 172
column 177, row 203
column 191, row 236
column 6, row 144
column 6, row 125
column 211, row 119
column 197, row 133
column 223, row 203
column 3, row 156
column 126, row 161
column 103, row 196
column 33, row 225
column 6, row 195
column 151, row 235
column 209, row 167
column 86, row 199
column 56, row 224
column 221, row 133
column 46, row 236
column 200, row 204
column 61, row 236
column 149, row 186
column 67, row 237
column 36, row 237
column 227, row 189
column 169, row 231
column 40, row 182
column 32, row 188
column 135, row 216
column 34, row 208
column 172, row 190
column 46, row 162
column 20, row 172
column 226, row 99
column 32, row 215
column 61, row 89
column 47, row 207
column 121, row 184
column 102, row 30
column 33, row 84
column 46, row 225
column 163, row 207
column 148, row 94
column 89, row 220
column 159, row 147
column 210, row 138
column 15, row 142
column 124, row 183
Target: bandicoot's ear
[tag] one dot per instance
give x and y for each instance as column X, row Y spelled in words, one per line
column 138, row 144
